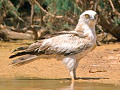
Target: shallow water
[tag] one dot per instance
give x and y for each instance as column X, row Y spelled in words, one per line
column 53, row 85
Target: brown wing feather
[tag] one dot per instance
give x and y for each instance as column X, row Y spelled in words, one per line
column 64, row 44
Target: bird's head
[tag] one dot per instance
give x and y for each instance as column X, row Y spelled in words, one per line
column 90, row 17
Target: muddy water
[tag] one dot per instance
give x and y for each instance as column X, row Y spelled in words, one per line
column 53, row 84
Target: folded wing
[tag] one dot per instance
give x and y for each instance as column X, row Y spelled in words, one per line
column 66, row 44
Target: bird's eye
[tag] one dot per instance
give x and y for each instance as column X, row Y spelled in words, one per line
column 87, row 16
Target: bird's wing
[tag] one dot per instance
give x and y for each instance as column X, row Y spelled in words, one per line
column 65, row 44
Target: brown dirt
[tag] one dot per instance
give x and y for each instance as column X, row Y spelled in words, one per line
column 103, row 62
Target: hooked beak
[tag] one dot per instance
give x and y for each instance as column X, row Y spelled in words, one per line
column 92, row 17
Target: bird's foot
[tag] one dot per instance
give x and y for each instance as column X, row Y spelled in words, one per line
column 74, row 79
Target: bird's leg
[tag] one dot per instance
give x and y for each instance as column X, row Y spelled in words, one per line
column 73, row 74
column 71, row 64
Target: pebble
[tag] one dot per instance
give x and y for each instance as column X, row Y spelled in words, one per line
column 95, row 69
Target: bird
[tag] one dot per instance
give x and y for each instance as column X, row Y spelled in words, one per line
column 71, row 45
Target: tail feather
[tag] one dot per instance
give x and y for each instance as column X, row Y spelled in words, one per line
column 20, row 54
column 20, row 48
column 24, row 59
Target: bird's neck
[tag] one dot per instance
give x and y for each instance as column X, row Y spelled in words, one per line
column 86, row 29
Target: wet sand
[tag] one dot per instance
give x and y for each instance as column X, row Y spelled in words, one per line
column 102, row 65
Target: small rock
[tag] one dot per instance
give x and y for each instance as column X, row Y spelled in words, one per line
column 95, row 69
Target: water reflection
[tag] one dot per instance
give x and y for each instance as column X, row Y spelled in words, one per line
column 53, row 84
column 71, row 87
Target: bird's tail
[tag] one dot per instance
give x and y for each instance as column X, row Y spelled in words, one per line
column 20, row 48
column 25, row 56
column 23, row 52
column 24, row 59
column 20, row 54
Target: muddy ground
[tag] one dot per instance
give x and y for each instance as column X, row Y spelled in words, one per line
column 101, row 65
